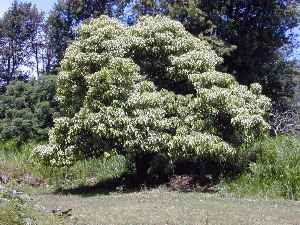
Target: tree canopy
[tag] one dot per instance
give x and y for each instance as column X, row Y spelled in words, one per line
column 149, row 88
column 27, row 109
column 18, row 33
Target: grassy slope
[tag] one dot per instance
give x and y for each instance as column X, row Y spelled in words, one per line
column 160, row 206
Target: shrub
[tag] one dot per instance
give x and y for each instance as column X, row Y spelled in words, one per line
column 149, row 88
column 27, row 109
column 276, row 170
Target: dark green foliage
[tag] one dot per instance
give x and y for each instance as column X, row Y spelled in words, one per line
column 153, row 168
column 59, row 34
column 194, row 19
column 259, row 30
column 27, row 109
column 297, row 90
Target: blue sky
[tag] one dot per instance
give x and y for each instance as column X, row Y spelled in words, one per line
column 46, row 5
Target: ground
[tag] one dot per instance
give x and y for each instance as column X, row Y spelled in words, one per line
column 162, row 206
column 95, row 192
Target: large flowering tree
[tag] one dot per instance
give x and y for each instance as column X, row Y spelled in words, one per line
column 149, row 88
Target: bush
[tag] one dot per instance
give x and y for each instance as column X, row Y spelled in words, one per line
column 146, row 89
column 276, row 170
column 27, row 108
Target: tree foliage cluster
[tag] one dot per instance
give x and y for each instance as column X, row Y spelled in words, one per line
column 149, row 88
column 27, row 109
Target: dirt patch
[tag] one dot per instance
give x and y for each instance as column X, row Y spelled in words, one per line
column 28, row 179
column 20, row 177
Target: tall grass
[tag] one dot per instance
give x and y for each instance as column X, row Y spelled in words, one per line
column 17, row 160
column 275, row 170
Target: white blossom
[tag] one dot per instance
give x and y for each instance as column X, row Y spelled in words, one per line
column 110, row 87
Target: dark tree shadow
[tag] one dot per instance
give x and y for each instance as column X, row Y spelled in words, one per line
column 188, row 176
column 104, row 187
column 124, row 184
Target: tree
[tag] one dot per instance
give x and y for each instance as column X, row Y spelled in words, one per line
column 63, row 20
column 258, row 29
column 27, row 109
column 147, row 89
column 18, row 37
column 59, row 33
column 194, row 19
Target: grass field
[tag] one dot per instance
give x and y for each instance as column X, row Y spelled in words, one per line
column 160, row 206
column 97, row 194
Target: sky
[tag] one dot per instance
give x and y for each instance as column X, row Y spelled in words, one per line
column 46, row 5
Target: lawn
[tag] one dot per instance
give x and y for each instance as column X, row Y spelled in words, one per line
column 161, row 206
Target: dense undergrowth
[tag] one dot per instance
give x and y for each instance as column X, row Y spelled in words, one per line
column 16, row 160
column 273, row 170
column 269, row 168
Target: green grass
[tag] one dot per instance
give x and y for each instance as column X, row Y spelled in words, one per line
column 160, row 207
column 17, row 208
column 276, row 172
column 15, row 212
column 17, row 160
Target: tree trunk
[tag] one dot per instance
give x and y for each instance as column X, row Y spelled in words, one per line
column 37, row 60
